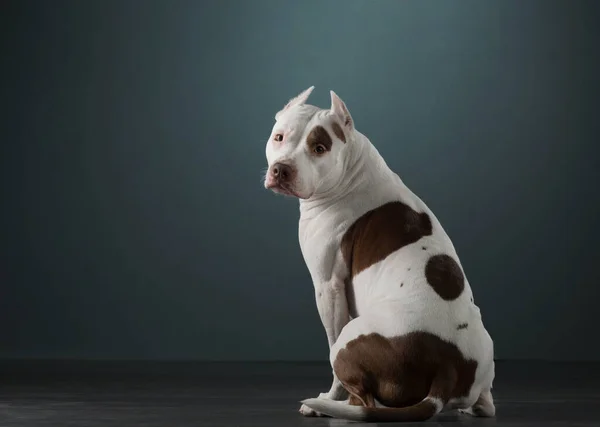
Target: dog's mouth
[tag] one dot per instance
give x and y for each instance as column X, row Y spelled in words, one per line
column 281, row 188
column 285, row 190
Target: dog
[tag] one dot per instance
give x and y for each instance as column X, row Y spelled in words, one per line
column 406, row 338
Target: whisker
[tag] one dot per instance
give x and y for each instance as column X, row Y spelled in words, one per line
column 263, row 176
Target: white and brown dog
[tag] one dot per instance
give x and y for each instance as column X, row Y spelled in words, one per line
column 406, row 339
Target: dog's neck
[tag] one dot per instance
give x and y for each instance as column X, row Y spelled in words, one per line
column 366, row 171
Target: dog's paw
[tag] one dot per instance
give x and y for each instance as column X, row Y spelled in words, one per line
column 307, row 412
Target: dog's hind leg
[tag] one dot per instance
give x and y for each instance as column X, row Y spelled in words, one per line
column 483, row 407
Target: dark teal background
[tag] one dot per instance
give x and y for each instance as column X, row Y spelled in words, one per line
column 134, row 223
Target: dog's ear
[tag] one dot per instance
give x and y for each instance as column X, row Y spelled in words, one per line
column 299, row 100
column 341, row 111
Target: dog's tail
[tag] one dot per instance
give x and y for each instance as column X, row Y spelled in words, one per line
column 439, row 395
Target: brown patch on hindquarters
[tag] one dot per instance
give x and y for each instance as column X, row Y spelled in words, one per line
column 400, row 371
column 380, row 232
column 339, row 132
column 319, row 136
column 356, row 401
column 445, row 276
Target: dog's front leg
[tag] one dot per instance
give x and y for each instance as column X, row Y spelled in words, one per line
column 333, row 310
column 332, row 306
column 330, row 293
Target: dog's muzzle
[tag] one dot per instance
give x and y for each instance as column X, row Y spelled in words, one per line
column 280, row 178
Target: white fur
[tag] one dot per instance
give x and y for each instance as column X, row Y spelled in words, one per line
column 336, row 409
column 334, row 191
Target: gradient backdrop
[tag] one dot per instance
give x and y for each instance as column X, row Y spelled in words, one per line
column 134, row 223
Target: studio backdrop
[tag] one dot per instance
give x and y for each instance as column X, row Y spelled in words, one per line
column 134, row 222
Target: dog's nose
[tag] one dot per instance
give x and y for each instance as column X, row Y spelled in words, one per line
column 282, row 172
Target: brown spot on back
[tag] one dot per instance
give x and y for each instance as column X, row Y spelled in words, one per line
column 445, row 276
column 380, row 232
column 319, row 136
column 402, row 371
column 339, row 132
column 462, row 326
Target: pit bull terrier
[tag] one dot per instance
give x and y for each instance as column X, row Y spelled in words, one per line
column 406, row 339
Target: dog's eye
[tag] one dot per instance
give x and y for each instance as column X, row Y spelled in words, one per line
column 319, row 149
column 278, row 137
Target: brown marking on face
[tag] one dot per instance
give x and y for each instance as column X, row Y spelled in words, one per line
column 380, row 232
column 402, row 371
column 462, row 326
column 339, row 132
column 319, row 137
column 445, row 276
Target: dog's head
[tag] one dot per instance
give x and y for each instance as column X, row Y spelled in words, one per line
column 307, row 147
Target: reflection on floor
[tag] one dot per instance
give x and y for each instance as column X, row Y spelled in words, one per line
column 259, row 394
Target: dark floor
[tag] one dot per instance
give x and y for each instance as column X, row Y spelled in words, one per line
column 262, row 395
